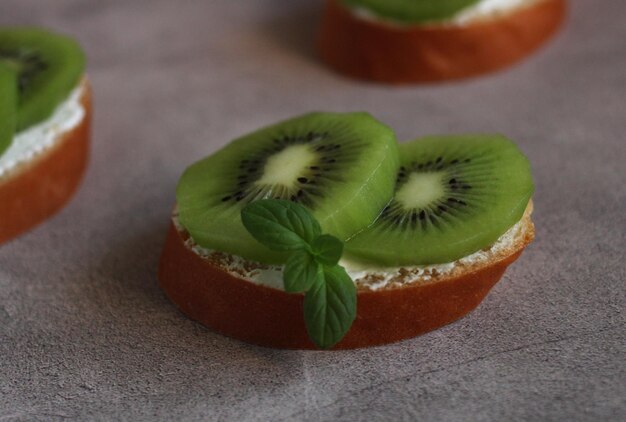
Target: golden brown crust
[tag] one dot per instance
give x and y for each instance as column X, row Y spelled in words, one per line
column 377, row 51
column 269, row 317
column 40, row 188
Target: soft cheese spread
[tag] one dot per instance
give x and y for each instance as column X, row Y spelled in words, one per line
column 481, row 10
column 39, row 138
column 363, row 275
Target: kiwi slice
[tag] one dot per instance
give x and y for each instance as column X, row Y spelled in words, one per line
column 454, row 196
column 48, row 67
column 342, row 167
column 8, row 106
column 413, row 11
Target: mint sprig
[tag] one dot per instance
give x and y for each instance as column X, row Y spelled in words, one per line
column 330, row 306
column 312, row 266
column 327, row 249
column 301, row 272
column 280, row 225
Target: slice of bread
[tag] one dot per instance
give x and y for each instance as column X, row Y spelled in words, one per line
column 215, row 289
column 35, row 189
column 376, row 50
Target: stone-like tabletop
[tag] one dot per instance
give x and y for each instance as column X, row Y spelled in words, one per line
column 86, row 334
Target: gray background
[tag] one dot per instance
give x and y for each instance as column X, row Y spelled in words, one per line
column 85, row 332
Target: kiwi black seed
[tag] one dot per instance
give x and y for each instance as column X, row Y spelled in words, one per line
column 454, row 195
column 340, row 166
column 48, row 67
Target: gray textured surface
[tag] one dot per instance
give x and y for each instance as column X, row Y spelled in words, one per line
column 86, row 334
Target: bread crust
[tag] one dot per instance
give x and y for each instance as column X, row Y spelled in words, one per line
column 377, row 51
column 269, row 317
column 39, row 188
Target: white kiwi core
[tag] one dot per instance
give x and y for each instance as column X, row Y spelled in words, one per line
column 284, row 167
column 420, row 190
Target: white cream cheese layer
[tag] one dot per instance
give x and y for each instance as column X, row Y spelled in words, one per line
column 33, row 141
column 362, row 275
column 481, row 10
column 487, row 8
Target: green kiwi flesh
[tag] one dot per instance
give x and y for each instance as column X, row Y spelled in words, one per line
column 413, row 11
column 342, row 167
column 48, row 66
column 8, row 106
column 454, row 196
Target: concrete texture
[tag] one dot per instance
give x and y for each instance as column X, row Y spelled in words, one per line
column 85, row 333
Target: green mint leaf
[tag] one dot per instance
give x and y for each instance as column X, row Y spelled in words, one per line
column 327, row 249
column 330, row 307
column 330, row 294
column 280, row 225
column 301, row 272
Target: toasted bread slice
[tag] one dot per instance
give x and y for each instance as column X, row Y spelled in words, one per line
column 377, row 50
column 215, row 289
column 36, row 188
